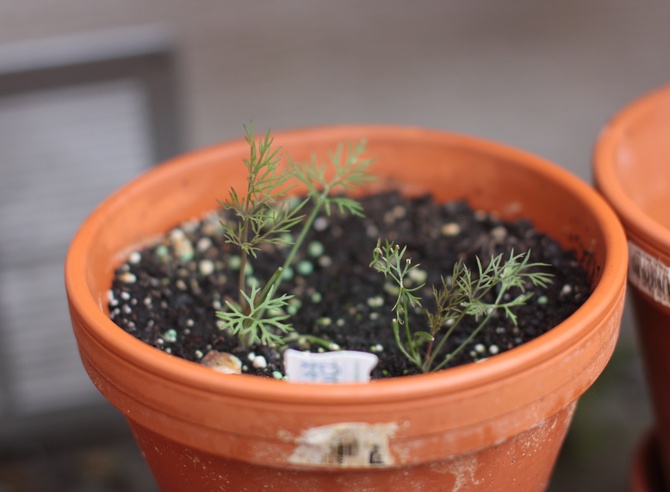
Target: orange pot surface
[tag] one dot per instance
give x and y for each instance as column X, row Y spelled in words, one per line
column 632, row 170
column 500, row 421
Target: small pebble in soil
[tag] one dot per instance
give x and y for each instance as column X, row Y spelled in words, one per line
column 418, row 276
column 325, row 261
column 316, row 297
column 305, row 268
column 162, row 251
column 203, row 244
column 391, row 289
column 222, row 362
column 320, row 224
column 375, row 302
column 451, row 229
column 206, row 267
column 499, row 233
column 315, row 249
column 399, row 211
column 176, row 234
column 184, row 250
column 480, row 215
column 128, row 278
column 287, row 273
column 170, row 336
column 234, row 262
column 259, row 362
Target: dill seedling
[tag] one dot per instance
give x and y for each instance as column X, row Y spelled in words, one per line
column 264, row 217
column 459, row 296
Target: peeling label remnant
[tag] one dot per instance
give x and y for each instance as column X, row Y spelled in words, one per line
column 649, row 274
column 353, row 444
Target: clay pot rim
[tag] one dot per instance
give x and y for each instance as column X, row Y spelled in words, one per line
column 639, row 224
column 475, row 377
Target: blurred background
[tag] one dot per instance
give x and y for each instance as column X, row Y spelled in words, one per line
column 94, row 92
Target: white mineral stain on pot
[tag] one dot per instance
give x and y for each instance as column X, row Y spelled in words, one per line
column 463, row 468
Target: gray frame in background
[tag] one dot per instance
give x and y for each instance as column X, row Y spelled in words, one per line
column 145, row 54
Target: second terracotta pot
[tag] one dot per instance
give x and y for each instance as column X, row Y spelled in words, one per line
column 494, row 425
column 632, row 170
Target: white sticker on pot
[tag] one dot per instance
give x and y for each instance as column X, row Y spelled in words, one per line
column 346, row 366
column 353, row 444
column 649, row 274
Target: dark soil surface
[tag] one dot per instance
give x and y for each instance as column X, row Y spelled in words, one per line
column 166, row 295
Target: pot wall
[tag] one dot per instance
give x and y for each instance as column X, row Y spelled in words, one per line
column 519, row 463
column 440, row 423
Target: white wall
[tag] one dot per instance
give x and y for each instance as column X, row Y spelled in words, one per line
column 543, row 76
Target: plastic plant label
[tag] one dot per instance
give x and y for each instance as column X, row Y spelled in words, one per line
column 346, row 366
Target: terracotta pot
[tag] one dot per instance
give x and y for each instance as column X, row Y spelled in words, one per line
column 491, row 425
column 632, row 170
column 646, row 473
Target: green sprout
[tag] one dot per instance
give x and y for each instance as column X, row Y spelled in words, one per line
column 263, row 216
column 459, row 296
